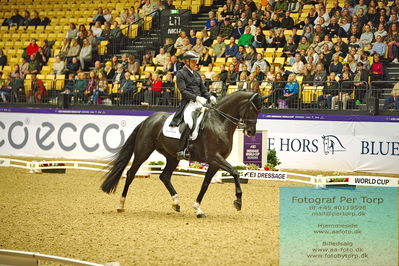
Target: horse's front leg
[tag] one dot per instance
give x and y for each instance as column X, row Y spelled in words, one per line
column 207, row 180
column 226, row 166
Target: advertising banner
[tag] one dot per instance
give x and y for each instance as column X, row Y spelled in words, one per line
column 330, row 143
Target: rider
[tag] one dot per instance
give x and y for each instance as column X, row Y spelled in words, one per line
column 194, row 96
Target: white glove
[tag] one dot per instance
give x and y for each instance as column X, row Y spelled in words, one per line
column 201, row 100
column 213, row 99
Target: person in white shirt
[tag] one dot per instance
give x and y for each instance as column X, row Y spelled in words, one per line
column 298, row 67
column 162, row 58
column 261, row 63
column 97, row 30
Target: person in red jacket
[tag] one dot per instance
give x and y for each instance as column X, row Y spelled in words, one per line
column 37, row 91
column 32, row 48
column 377, row 76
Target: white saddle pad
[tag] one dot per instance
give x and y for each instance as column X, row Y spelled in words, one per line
column 173, row 132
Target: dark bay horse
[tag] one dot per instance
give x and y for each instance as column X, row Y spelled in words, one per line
column 212, row 146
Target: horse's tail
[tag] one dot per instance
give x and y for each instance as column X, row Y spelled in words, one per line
column 119, row 163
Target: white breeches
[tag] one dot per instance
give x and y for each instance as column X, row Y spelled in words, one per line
column 190, row 108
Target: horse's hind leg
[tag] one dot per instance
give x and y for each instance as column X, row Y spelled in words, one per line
column 139, row 159
column 165, row 178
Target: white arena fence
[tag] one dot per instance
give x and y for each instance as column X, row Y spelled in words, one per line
column 25, row 258
column 320, row 181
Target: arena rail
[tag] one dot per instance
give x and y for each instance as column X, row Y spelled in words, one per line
column 318, row 181
column 16, row 257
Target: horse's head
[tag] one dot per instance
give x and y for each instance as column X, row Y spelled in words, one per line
column 249, row 113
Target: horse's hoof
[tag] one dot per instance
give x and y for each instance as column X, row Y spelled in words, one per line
column 176, row 207
column 201, row 215
column 237, row 205
column 120, row 210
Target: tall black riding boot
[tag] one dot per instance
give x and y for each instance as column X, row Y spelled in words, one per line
column 183, row 153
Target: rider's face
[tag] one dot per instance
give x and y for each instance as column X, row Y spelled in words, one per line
column 192, row 64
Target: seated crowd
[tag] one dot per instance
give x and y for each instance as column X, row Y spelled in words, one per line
column 339, row 50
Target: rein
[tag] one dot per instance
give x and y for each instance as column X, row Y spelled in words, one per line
column 240, row 123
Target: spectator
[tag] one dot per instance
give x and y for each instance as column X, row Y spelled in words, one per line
column 320, row 75
column 64, row 49
column 198, row 47
column 72, row 32
column 133, row 16
column 335, row 8
column 291, row 90
column 193, row 37
column 92, row 85
column 82, row 30
column 100, row 90
column 115, row 33
column 360, row 79
column 210, row 72
column 216, row 88
column 98, row 17
column 58, row 66
column 298, row 67
column 219, row 47
column 124, row 15
column 107, row 15
column 34, row 19
column 226, row 12
column 336, row 65
column 127, row 89
column 264, row 67
column 378, row 47
column 3, row 59
column 242, row 83
column 377, row 75
column 259, row 39
column 392, row 101
column 247, row 38
column 226, row 29
column 280, row 7
column 24, row 66
column 287, row 22
column 148, row 59
column 154, row 92
column 106, row 32
column 250, row 57
column 119, row 75
column 37, row 92
column 73, row 67
column 344, row 95
column 231, row 48
column 168, row 87
column 80, row 88
column 366, row 37
column 16, row 70
column 232, row 75
column 162, row 58
column 213, row 32
column 329, row 91
column 169, row 46
column 32, row 48
column 381, row 32
column 109, row 71
column 15, row 20
column 275, row 22
column 18, row 88
column 238, row 30
column 169, row 5
column 34, row 65
column 73, row 51
column 179, row 42
column 148, row 8
column 393, row 43
column 289, row 48
column 205, row 58
column 308, row 75
column 98, row 67
column 185, row 47
column 333, row 28
column 211, row 15
column 85, row 55
column 303, row 45
column 97, row 30
column 223, row 73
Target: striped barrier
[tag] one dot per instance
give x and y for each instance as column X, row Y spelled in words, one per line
column 319, row 181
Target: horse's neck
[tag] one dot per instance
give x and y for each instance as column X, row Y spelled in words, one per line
column 232, row 110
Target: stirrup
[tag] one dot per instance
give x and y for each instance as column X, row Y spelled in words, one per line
column 183, row 155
